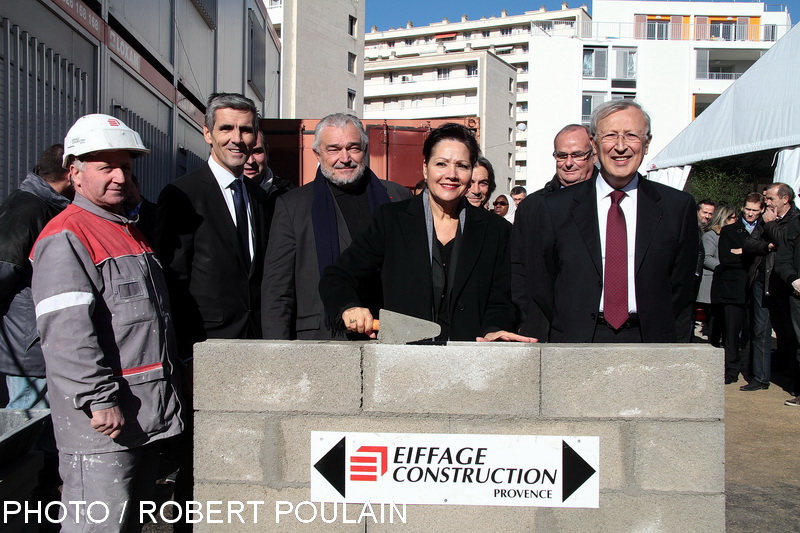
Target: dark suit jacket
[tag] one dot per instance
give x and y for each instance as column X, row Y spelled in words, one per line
column 396, row 244
column 567, row 274
column 531, row 318
column 212, row 292
column 730, row 281
column 291, row 306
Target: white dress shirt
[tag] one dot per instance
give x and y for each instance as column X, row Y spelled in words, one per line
column 628, row 206
column 224, row 180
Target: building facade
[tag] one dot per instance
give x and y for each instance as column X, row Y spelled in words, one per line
column 675, row 58
column 441, row 85
column 323, row 56
column 151, row 63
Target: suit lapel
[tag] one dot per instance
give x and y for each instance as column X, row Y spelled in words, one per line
column 584, row 213
column 471, row 245
column 412, row 226
column 220, row 216
column 648, row 216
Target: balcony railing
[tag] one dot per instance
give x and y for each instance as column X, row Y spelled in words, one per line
column 720, row 76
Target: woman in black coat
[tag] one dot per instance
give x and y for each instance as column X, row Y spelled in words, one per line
column 440, row 259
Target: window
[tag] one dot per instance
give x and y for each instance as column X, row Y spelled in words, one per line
column 626, row 64
column 352, row 26
column 658, row 30
column 486, row 33
column 510, row 110
column 522, row 107
column 351, row 62
column 472, row 71
column 511, row 85
column 510, row 134
column 351, row 99
column 390, row 44
column 505, row 31
column 409, row 42
column 588, row 103
column 594, row 63
column 770, row 32
column 442, row 73
column 416, row 101
column 256, row 60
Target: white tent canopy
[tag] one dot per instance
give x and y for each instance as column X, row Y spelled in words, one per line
column 759, row 111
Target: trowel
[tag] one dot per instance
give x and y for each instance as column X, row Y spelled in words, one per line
column 397, row 328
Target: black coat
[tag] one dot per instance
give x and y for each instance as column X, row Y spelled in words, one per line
column 566, row 264
column 730, row 281
column 213, row 294
column 22, row 216
column 396, row 244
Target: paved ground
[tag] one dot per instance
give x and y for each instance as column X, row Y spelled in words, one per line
column 762, row 461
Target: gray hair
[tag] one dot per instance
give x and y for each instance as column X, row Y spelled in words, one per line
column 340, row 120
column 612, row 106
column 229, row 101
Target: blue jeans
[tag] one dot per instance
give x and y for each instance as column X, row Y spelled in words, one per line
column 762, row 334
column 27, row 393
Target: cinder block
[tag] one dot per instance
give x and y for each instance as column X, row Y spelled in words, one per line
column 295, row 437
column 615, row 441
column 235, row 375
column 680, row 456
column 680, row 381
column 461, row 518
column 266, row 516
column 468, row 378
column 230, row 447
column 620, row 512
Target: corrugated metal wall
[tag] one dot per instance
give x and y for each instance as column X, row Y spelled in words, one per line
column 41, row 95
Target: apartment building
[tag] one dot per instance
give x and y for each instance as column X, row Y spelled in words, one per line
column 442, row 85
column 151, row 63
column 323, row 56
column 675, row 58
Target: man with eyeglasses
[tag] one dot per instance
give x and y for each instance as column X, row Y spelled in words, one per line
column 614, row 256
column 575, row 162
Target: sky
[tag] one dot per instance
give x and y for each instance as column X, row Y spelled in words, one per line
column 393, row 14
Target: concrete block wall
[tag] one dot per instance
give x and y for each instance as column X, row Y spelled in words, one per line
column 658, row 410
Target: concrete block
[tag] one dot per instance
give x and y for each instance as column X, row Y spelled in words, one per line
column 680, row 456
column 295, row 437
column 620, row 512
column 616, row 452
column 468, row 378
column 259, row 517
column 461, row 518
column 230, row 447
column 235, row 375
column 632, row 381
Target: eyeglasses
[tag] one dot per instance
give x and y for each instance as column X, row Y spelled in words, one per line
column 500, row 203
column 577, row 156
column 629, row 138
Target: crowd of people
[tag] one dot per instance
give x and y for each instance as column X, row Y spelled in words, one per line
column 105, row 296
column 747, row 272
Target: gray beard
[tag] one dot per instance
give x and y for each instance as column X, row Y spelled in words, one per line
column 342, row 183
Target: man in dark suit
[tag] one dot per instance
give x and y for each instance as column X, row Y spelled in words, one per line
column 615, row 255
column 212, row 229
column 575, row 162
column 313, row 224
column 257, row 169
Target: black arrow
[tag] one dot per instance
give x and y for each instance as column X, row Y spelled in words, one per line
column 331, row 466
column 576, row 471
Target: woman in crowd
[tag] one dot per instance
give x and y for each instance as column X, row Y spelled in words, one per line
column 505, row 207
column 723, row 216
column 440, row 258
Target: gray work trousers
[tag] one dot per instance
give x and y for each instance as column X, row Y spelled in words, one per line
column 109, row 484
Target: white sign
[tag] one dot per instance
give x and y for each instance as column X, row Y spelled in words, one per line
column 419, row 468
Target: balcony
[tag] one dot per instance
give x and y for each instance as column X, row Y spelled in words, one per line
column 668, row 31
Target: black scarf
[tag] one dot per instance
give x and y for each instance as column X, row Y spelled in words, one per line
column 323, row 215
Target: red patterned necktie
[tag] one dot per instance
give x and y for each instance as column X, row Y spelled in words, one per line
column 615, row 276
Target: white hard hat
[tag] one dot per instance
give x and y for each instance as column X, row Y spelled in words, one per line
column 98, row 133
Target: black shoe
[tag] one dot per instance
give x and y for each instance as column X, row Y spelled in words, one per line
column 755, row 385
